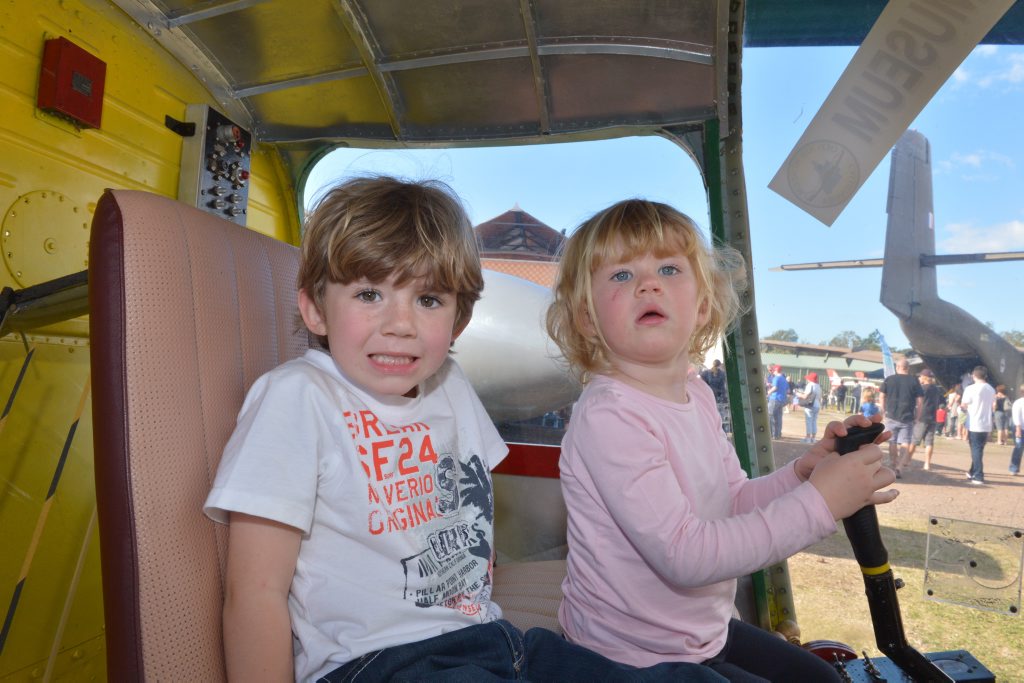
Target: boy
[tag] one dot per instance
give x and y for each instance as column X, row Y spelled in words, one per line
column 357, row 482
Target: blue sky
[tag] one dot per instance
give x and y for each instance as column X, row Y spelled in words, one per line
column 973, row 124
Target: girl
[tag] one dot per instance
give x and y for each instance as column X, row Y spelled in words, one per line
column 661, row 517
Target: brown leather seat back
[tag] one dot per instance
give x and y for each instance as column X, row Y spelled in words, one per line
column 186, row 311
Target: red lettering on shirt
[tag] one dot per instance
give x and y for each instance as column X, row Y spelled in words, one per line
column 401, row 493
column 362, row 460
column 369, row 421
column 400, row 518
column 353, row 428
column 427, row 452
column 379, row 459
column 405, row 445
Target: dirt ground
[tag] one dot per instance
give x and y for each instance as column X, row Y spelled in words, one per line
column 942, row 490
column 825, row 575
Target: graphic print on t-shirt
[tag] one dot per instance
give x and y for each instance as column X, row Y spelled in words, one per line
column 454, row 569
column 424, row 490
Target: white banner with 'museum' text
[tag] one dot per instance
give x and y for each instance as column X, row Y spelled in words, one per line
column 910, row 52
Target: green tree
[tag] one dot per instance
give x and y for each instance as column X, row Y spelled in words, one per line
column 873, row 341
column 789, row 335
column 1015, row 337
column 847, row 338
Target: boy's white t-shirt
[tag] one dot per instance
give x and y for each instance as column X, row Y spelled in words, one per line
column 393, row 496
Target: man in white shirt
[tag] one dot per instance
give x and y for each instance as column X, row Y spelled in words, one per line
column 978, row 399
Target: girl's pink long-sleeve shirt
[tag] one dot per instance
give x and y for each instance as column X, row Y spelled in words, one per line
column 662, row 520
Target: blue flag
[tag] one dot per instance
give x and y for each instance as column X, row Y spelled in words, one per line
column 890, row 367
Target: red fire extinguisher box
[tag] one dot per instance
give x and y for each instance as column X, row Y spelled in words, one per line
column 71, row 83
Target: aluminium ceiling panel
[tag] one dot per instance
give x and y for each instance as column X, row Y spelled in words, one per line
column 693, row 21
column 595, row 91
column 275, row 41
column 471, row 100
column 404, row 29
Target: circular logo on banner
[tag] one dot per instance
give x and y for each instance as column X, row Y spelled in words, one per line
column 823, row 174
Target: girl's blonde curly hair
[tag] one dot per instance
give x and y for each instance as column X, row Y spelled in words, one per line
column 622, row 231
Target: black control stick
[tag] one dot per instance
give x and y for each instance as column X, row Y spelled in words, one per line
column 866, row 540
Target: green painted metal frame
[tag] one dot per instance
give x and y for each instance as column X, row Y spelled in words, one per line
column 722, row 162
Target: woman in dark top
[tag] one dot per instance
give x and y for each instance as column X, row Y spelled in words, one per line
column 1001, row 414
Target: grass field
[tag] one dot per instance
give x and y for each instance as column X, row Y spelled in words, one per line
column 829, row 591
column 830, row 604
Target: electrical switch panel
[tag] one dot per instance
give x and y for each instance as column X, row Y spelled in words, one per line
column 215, row 163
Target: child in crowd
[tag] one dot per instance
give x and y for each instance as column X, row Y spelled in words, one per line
column 661, row 518
column 952, row 411
column 940, row 420
column 868, row 407
column 357, row 482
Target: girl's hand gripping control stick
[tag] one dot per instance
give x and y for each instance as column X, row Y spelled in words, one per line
column 866, row 539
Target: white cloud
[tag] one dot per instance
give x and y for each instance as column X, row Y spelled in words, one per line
column 1015, row 70
column 967, row 238
column 960, row 77
column 1008, row 69
column 977, row 166
column 971, row 159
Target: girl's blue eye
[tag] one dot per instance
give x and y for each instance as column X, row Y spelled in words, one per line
column 668, row 270
column 368, row 295
column 622, row 276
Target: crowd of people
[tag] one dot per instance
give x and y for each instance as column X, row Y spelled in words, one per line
column 915, row 409
column 977, row 412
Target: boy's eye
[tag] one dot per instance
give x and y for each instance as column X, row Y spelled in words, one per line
column 668, row 270
column 430, row 301
column 622, row 276
column 368, row 295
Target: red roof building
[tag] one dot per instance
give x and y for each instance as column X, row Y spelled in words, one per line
column 516, row 234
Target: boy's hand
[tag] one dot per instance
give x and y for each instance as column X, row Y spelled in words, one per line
column 849, row 482
column 809, row 460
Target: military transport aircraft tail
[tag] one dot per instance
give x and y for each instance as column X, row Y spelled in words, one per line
column 951, row 340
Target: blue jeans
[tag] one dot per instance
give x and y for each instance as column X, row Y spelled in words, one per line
column 1018, row 450
column 775, row 417
column 811, row 419
column 498, row 651
column 977, row 440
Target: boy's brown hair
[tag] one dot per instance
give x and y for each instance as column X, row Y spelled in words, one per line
column 376, row 227
column 623, row 230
